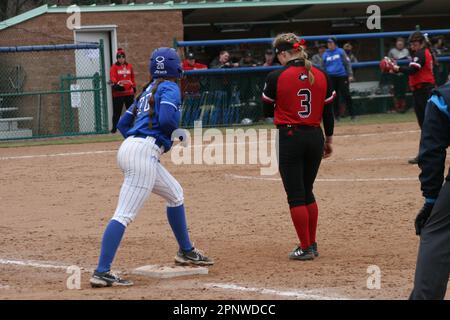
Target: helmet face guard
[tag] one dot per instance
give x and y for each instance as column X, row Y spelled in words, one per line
column 165, row 63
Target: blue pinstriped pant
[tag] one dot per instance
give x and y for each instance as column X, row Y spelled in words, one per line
column 139, row 160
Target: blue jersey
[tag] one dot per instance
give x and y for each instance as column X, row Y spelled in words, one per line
column 334, row 62
column 165, row 118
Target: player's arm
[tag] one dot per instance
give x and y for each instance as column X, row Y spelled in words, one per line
column 415, row 65
column 126, row 121
column 433, row 145
column 347, row 63
column 133, row 80
column 269, row 94
column 169, row 108
column 328, row 118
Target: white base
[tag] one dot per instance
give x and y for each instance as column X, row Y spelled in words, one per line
column 20, row 133
column 163, row 272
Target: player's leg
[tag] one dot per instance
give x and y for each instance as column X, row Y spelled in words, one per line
column 170, row 189
column 117, row 110
column 313, row 158
column 138, row 163
column 344, row 86
column 433, row 260
column 291, row 171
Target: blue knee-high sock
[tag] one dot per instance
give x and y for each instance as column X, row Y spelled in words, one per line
column 110, row 243
column 177, row 221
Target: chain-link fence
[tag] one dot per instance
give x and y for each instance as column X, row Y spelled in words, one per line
column 54, row 90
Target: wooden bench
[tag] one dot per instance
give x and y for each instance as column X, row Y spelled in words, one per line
column 11, row 123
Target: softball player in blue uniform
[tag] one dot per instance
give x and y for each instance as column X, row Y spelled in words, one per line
column 148, row 126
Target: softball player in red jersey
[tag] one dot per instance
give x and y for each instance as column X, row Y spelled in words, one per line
column 297, row 96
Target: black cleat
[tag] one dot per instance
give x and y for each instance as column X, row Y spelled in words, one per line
column 107, row 279
column 314, row 249
column 302, row 255
column 414, row 160
column 193, row 257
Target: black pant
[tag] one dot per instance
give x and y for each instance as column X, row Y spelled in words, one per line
column 300, row 154
column 342, row 88
column 433, row 261
column 118, row 103
column 421, row 97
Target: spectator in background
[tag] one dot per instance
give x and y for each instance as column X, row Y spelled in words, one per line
column 440, row 69
column 269, row 59
column 337, row 65
column 191, row 84
column 223, row 61
column 317, row 58
column 348, row 50
column 400, row 51
column 123, row 86
column 248, row 60
column 439, row 45
column 399, row 80
column 190, row 63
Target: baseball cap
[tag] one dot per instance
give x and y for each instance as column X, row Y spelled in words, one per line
column 332, row 39
column 190, row 56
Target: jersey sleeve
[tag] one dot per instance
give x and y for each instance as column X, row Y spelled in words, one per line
column 432, row 154
column 269, row 94
column 328, row 115
column 416, row 64
column 169, row 107
column 126, row 121
column 113, row 74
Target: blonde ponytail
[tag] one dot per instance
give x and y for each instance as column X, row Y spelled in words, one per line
column 297, row 53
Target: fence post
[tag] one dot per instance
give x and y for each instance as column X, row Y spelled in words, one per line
column 104, row 91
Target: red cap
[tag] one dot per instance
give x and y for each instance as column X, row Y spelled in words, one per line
column 121, row 52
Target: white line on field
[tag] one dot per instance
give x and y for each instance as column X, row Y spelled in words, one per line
column 38, row 264
column 235, row 176
column 58, row 155
column 192, row 146
column 298, row 294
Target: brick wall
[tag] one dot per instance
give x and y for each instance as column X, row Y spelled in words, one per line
column 139, row 33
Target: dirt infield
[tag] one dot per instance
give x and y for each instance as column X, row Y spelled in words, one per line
column 56, row 201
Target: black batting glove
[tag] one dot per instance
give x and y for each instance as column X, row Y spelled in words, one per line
column 422, row 217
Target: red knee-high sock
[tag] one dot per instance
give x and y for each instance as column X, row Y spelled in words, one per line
column 300, row 218
column 313, row 211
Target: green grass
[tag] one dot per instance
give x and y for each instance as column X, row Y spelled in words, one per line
column 361, row 120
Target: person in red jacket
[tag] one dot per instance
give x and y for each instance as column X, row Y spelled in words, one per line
column 123, row 86
column 421, row 77
column 191, row 84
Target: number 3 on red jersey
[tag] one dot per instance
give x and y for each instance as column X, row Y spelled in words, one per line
column 305, row 104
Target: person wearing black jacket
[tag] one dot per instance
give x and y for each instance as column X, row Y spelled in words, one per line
column 421, row 78
column 433, row 221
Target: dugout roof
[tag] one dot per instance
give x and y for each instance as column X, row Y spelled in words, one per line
column 216, row 12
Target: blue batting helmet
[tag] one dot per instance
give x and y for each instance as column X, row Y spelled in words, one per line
column 166, row 63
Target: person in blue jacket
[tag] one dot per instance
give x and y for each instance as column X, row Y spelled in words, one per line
column 148, row 127
column 433, row 221
column 337, row 65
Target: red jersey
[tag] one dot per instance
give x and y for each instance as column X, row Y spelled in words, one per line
column 124, row 76
column 420, row 69
column 296, row 101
